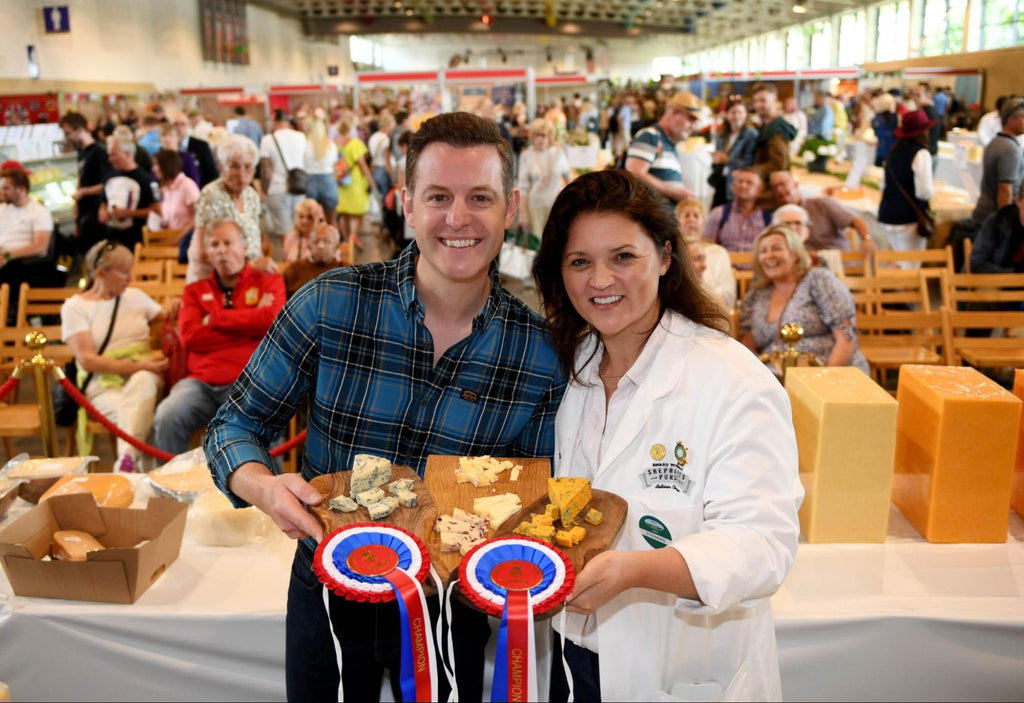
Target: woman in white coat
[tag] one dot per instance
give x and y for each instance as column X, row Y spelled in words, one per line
column 682, row 421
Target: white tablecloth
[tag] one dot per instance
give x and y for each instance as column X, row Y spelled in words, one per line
column 905, row 620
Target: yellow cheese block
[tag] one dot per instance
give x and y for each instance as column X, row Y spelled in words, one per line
column 73, row 545
column 1017, row 491
column 571, row 495
column 110, row 490
column 846, row 434
column 956, row 441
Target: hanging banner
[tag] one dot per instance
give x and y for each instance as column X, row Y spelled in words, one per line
column 28, row 109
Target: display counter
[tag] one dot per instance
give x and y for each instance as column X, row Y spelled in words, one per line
column 904, row 620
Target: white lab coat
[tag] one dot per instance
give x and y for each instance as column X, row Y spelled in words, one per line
column 736, row 526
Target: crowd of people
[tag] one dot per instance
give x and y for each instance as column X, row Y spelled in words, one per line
column 637, row 290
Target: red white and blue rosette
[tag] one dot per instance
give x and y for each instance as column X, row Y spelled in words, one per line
column 514, row 578
column 376, row 563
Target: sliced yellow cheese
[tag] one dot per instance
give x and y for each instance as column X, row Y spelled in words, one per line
column 110, row 490
column 73, row 545
column 578, row 533
column 594, row 516
column 563, row 539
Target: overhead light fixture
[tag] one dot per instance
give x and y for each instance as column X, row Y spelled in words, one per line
column 800, row 6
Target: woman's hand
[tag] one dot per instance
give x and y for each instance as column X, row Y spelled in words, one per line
column 156, row 363
column 719, row 157
column 264, row 263
column 604, row 577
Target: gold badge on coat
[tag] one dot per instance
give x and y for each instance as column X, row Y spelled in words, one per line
column 252, row 296
column 658, row 452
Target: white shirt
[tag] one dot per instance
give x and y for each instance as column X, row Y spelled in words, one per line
column 293, row 146
column 18, row 224
column 316, row 166
column 379, row 147
column 989, row 126
column 924, row 184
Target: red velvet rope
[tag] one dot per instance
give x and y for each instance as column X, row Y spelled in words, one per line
column 9, row 385
column 79, row 398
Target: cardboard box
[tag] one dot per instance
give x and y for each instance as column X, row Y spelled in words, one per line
column 140, row 545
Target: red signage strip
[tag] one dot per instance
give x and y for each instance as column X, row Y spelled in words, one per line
column 551, row 80
column 210, row 91
column 942, row 71
column 485, row 74
column 404, row 77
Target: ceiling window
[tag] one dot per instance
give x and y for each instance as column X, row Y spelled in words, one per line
column 821, row 44
column 739, row 57
column 1002, row 23
column 942, row 28
column 853, row 29
column 893, row 31
column 796, row 48
column 774, row 53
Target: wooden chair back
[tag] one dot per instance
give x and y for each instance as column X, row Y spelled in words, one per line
column 983, row 288
column 5, row 303
column 887, row 292
column 743, row 270
column 347, row 252
column 934, row 262
column 161, row 237
column 968, row 250
column 150, row 270
column 854, row 263
column 161, row 291
column 173, row 271
column 890, row 339
column 155, row 251
column 41, row 302
column 985, row 351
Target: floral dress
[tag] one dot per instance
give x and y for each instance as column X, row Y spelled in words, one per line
column 820, row 304
column 215, row 204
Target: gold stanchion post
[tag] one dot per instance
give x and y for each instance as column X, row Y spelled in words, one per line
column 41, row 365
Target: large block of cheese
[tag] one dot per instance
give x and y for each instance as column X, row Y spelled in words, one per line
column 956, row 441
column 845, row 435
column 368, row 472
column 1017, row 489
column 571, row 495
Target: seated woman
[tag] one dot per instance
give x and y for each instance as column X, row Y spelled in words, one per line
column 308, row 214
column 786, row 288
column 126, row 379
column 670, row 413
column 180, row 195
column 717, row 276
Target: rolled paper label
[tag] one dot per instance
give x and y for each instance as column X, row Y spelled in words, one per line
column 417, row 678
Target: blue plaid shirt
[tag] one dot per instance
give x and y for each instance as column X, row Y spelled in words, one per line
column 354, row 342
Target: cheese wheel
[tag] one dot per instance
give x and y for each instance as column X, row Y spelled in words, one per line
column 73, row 545
column 110, row 490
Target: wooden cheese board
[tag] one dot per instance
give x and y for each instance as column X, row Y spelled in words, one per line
column 599, row 537
column 439, row 477
column 418, row 520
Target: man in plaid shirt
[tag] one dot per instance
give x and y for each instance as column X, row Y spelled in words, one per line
column 425, row 354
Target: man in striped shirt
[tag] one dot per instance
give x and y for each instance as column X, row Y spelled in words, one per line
column 652, row 155
column 425, row 354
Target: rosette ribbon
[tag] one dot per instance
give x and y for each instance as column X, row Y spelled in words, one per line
column 514, row 578
column 376, row 563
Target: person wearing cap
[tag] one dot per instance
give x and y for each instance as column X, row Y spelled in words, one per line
column 907, row 184
column 652, row 155
column 1002, row 164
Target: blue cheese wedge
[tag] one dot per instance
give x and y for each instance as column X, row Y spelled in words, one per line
column 402, row 484
column 343, row 504
column 367, row 498
column 407, row 499
column 368, row 472
column 382, row 508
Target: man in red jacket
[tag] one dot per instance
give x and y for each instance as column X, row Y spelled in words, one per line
column 221, row 322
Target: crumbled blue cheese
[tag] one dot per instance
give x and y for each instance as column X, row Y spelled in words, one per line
column 402, row 484
column 407, row 498
column 367, row 498
column 382, row 508
column 342, row 504
column 368, row 472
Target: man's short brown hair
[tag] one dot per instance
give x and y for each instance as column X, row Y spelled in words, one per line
column 764, row 87
column 73, row 121
column 17, row 177
column 461, row 130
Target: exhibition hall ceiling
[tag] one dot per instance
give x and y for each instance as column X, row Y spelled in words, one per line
column 696, row 23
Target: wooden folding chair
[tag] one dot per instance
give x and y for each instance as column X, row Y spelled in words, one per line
column 41, row 302
column 5, row 303
column 160, row 291
column 934, row 262
column 156, row 251
column 984, row 352
column 890, row 339
column 743, row 269
column 963, row 290
column 889, row 292
column 854, row 263
column 347, row 252
column 161, row 237
column 16, row 419
column 149, row 271
column 968, row 250
column 173, row 271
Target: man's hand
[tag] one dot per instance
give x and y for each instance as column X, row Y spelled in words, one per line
column 266, row 300
column 677, row 191
column 283, row 498
column 868, row 247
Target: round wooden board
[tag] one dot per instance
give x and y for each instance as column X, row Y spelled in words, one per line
column 419, row 520
column 599, row 537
